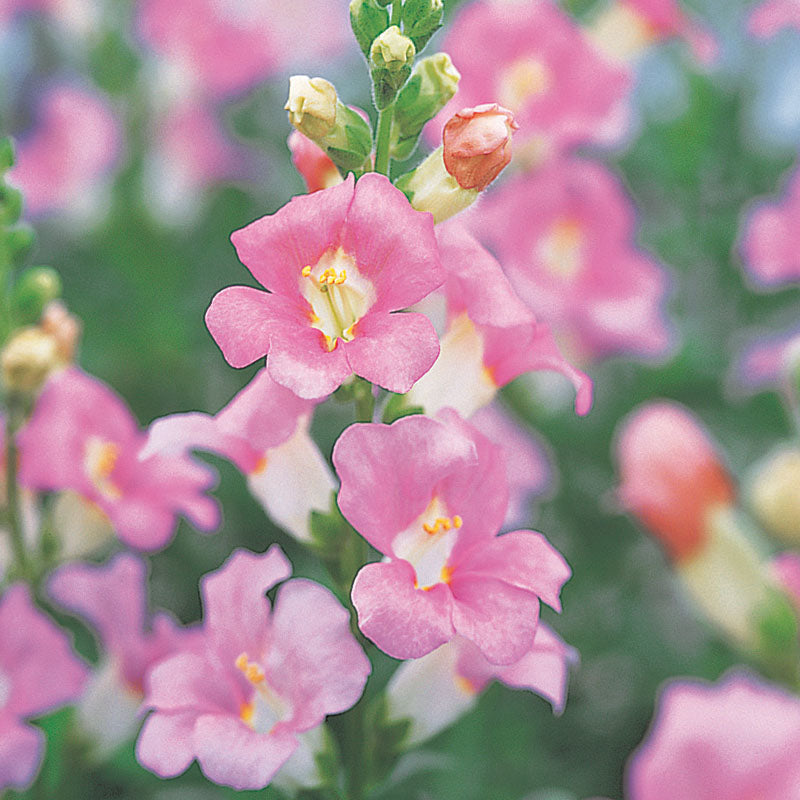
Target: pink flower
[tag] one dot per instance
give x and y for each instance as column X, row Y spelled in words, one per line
column 264, row 432
column 577, row 222
column 112, row 599
column 435, row 690
column 265, row 676
column 735, row 740
column 786, row 568
column 81, row 436
column 228, row 47
column 767, row 362
column 532, row 59
column 38, row 673
column 431, row 495
column 491, row 336
column 770, row 16
column 336, row 264
column 769, row 241
column 64, row 162
column 477, row 144
column 311, row 161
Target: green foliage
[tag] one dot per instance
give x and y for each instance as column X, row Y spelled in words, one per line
column 113, row 65
column 368, row 20
column 33, row 290
column 421, row 19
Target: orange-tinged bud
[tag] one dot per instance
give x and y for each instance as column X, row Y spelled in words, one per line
column 477, row 144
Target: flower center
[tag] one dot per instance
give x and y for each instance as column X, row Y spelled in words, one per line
column 265, row 709
column 561, row 251
column 5, row 689
column 524, row 80
column 427, row 543
column 338, row 294
column 100, row 458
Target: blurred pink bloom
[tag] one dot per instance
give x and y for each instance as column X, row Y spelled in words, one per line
column 228, row 46
column 491, row 336
column 311, row 161
column 336, row 264
column 574, row 261
column 264, row 432
column 769, row 242
column 82, row 436
column 63, row 164
column 770, row 16
column 476, row 144
column 38, row 673
column 786, row 568
column 767, row 361
column 435, row 690
column 531, row 58
column 738, row 739
column 671, row 477
column 112, row 598
column 265, row 676
column 431, row 495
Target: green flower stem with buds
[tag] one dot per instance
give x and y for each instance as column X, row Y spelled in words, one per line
column 383, row 135
column 14, row 419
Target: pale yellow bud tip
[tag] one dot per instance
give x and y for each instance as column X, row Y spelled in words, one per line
column 312, row 105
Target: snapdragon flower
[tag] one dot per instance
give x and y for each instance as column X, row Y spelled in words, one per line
column 264, row 677
column 431, row 495
column 337, row 264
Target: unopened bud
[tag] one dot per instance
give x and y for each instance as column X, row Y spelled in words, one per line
column 421, row 19
column 312, row 105
column 63, row 327
column 311, row 161
column 34, row 289
column 432, row 85
column 477, row 144
column 368, row 20
column 775, row 494
column 29, row 356
column 391, row 57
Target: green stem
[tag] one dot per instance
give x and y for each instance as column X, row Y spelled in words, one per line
column 12, row 491
column 365, row 401
column 383, row 140
column 397, row 11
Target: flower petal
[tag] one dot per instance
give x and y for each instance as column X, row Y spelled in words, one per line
column 165, row 745
column 21, row 753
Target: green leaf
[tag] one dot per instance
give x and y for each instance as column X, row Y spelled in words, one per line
column 368, row 21
column 398, row 407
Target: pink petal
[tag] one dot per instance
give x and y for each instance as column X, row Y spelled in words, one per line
column 189, row 682
column 393, row 350
column 141, row 524
column 403, row 621
column 165, row 745
column 21, row 753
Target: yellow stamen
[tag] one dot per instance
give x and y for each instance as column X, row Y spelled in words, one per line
column 260, row 466
column 252, row 671
column 330, row 278
column 306, row 271
column 457, row 521
column 442, row 523
column 246, row 713
column 446, row 574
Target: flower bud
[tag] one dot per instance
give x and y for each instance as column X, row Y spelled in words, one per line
column 311, row 161
column 30, row 355
column 477, row 144
column 775, row 494
column 391, row 57
column 63, row 327
column 432, row 84
column 312, row 105
column 368, row 20
column 421, row 19
column 34, row 289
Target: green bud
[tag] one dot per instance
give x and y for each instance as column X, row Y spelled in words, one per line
column 34, row 289
column 368, row 20
column 6, row 155
column 391, row 57
column 421, row 19
column 19, row 242
column 10, row 205
column 431, row 86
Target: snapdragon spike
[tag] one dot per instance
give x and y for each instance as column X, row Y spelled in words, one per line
column 336, row 263
column 38, row 673
column 264, row 677
column 431, row 495
column 82, row 437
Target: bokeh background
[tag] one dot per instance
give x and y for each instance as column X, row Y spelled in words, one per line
column 144, row 244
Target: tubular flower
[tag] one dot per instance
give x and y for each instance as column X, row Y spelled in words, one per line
column 264, row 432
column 735, row 740
column 82, row 437
column 432, row 692
column 578, row 222
column 535, row 61
column 673, row 481
column 112, row 599
column 431, row 494
column 264, row 677
column 491, row 336
column 336, row 264
column 771, row 16
column 313, row 164
column 38, row 673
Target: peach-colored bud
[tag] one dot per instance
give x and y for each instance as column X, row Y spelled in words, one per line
column 313, row 164
column 672, row 478
column 477, row 144
column 63, row 327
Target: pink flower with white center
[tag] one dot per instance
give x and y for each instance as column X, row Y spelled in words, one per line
column 264, row 432
column 532, row 59
column 769, row 241
column 769, row 362
column 578, row 221
column 491, row 336
column 313, row 164
column 226, row 47
column 82, row 437
column 265, row 677
column 738, row 739
column 435, row 690
column 38, row 673
column 112, row 598
column 336, row 263
column 63, row 164
column 431, row 495
column 771, row 16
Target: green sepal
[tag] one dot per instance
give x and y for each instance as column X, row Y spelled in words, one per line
column 397, row 408
column 34, row 289
column 368, row 20
column 421, row 19
column 385, row 738
column 10, row 204
column 20, row 241
column 6, row 154
column 386, row 84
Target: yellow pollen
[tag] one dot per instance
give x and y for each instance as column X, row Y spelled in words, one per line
column 442, row 523
column 251, row 670
column 260, row 466
column 330, row 278
column 446, row 574
column 246, row 713
column 306, row 271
